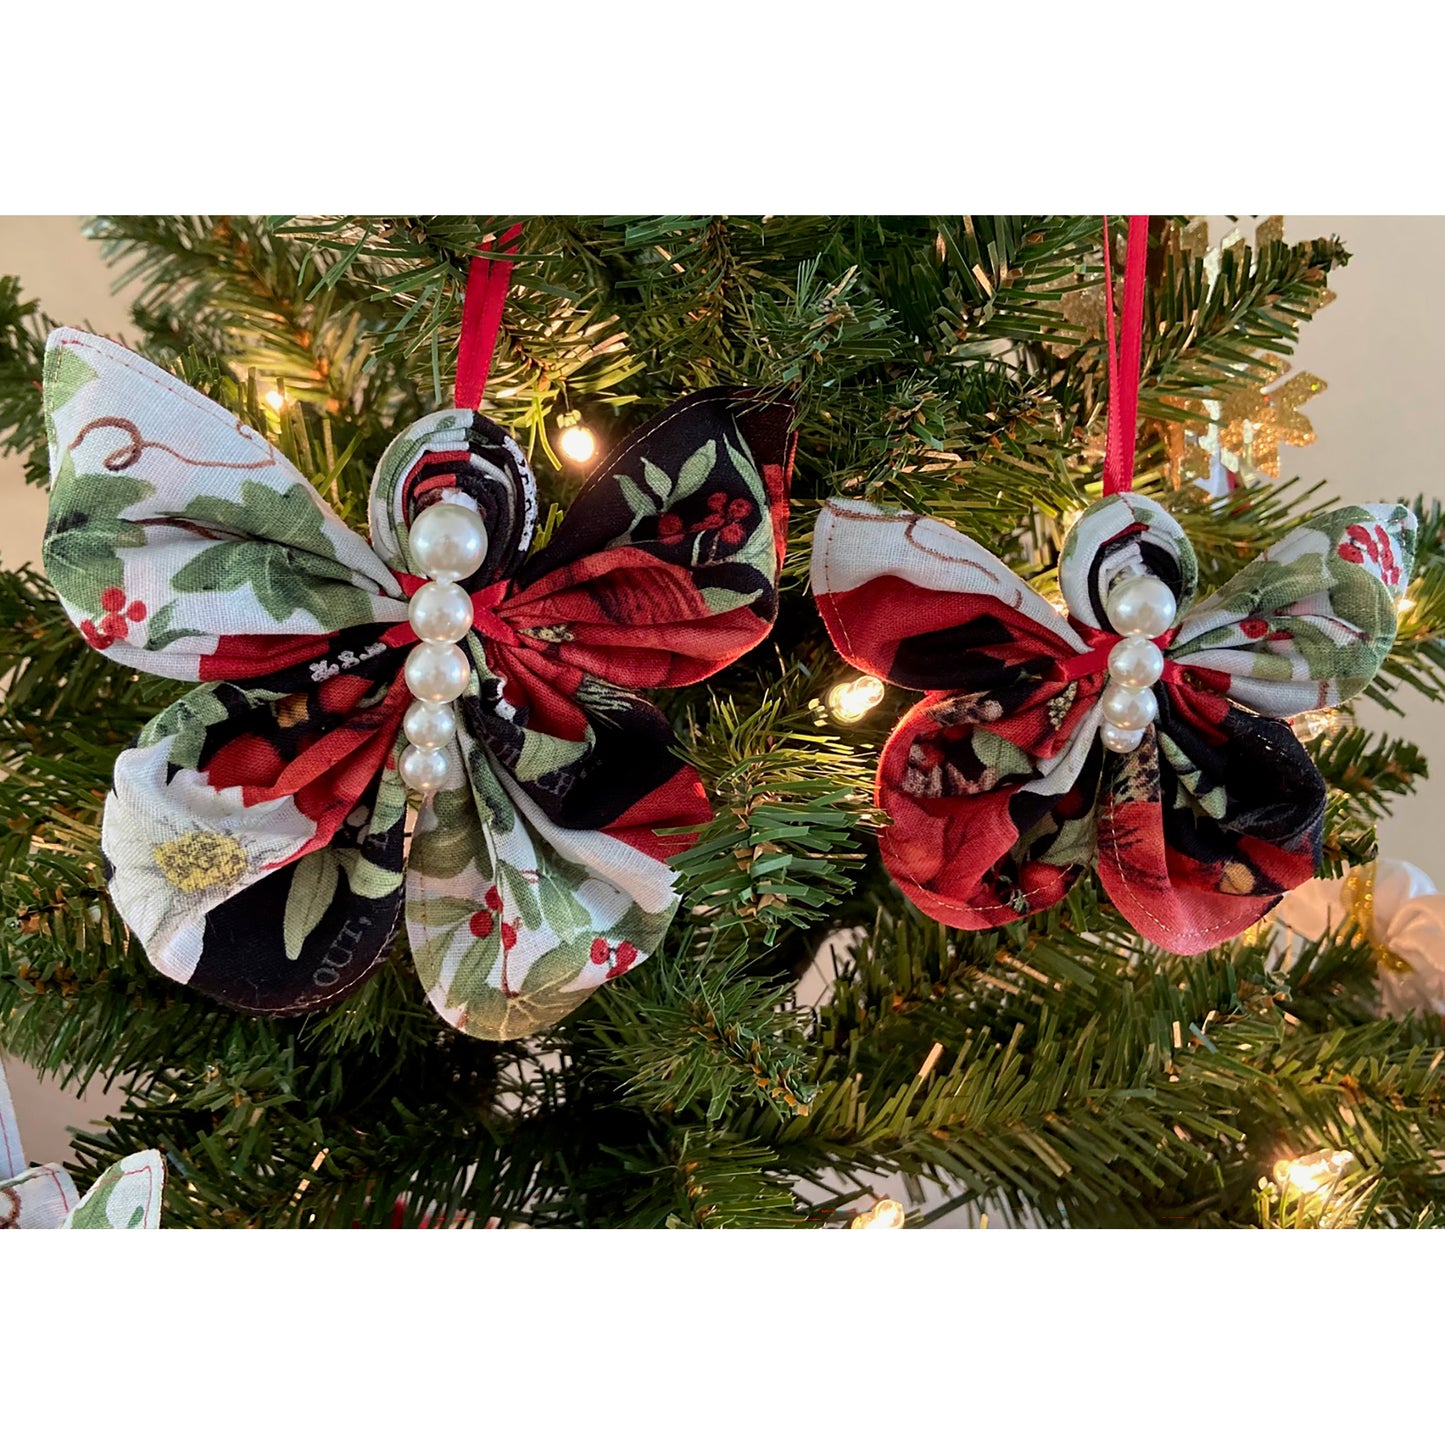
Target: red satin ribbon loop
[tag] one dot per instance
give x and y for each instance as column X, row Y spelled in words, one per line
column 487, row 282
column 1124, row 370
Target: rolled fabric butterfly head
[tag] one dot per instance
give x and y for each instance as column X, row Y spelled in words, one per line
column 1138, row 733
column 255, row 835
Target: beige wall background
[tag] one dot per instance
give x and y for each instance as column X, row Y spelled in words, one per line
column 1380, row 347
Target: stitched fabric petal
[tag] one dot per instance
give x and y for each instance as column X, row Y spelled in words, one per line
column 990, row 797
column 513, row 920
column 126, row 1196
column 1307, row 624
column 912, row 600
column 179, row 540
column 665, row 568
column 254, row 835
column 1207, row 823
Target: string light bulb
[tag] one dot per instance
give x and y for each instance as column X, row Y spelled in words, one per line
column 1404, row 605
column 886, row 1214
column 1311, row 1173
column 850, row 701
column 1317, row 723
column 275, row 400
column 576, row 442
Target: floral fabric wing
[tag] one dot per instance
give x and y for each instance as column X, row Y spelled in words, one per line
column 990, row 788
column 1307, row 624
column 665, row 568
column 514, row 920
column 255, row 835
column 1204, row 825
column 126, row 1196
column 179, row 540
column 548, row 876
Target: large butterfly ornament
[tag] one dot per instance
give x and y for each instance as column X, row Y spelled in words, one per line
column 1139, row 733
column 256, row 831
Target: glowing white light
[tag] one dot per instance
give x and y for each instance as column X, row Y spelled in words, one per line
column 849, row 701
column 577, row 443
column 886, row 1214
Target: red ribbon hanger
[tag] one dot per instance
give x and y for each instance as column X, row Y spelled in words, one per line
column 1124, row 371
column 487, row 282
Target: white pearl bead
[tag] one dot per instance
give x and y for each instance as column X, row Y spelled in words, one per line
column 430, row 724
column 1136, row 662
column 1120, row 740
column 1129, row 707
column 424, row 770
column 448, row 542
column 437, row 671
column 440, row 612
column 1140, row 607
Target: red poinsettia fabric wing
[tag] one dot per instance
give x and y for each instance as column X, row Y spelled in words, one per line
column 989, row 781
column 665, row 568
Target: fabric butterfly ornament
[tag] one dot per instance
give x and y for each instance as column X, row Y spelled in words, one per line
column 256, row 831
column 126, row 1196
column 1198, row 808
column 1140, row 732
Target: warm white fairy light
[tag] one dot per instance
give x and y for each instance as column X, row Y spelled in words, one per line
column 850, row 701
column 275, row 400
column 1317, row 723
column 1404, row 605
column 577, row 443
column 1311, row 1173
column 886, row 1214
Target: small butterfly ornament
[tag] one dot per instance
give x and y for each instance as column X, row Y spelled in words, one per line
column 256, row 832
column 126, row 1196
column 1139, row 733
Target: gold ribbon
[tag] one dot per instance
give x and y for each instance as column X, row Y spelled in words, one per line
column 1358, row 890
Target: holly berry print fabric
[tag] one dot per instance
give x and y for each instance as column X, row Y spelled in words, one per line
column 999, row 790
column 257, row 831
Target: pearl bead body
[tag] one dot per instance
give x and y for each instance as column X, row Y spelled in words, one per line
column 1130, row 708
column 1120, row 740
column 437, row 671
column 440, row 612
column 448, row 542
column 1136, row 662
column 1140, row 607
column 424, row 770
column 430, row 724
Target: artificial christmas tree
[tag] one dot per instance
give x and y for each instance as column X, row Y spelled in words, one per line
column 1059, row 1064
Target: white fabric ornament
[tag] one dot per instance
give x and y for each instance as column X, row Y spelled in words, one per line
column 1402, row 915
column 126, row 1196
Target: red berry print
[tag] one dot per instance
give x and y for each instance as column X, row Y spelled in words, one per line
column 482, row 925
column 669, row 526
column 114, row 625
column 94, row 636
column 509, row 935
column 626, row 954
column 1254, row 627
column 494, row 900
column 599, row 951
column 1350, row 552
